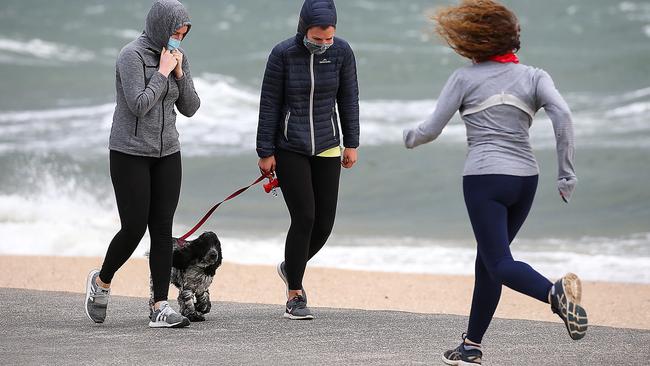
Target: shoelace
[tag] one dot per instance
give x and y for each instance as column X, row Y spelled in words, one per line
column 298, row 300
column 100, row 293
column 166, row 311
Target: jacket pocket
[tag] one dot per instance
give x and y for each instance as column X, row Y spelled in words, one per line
column 286, row 125
column 150, row 67
column 136, row 125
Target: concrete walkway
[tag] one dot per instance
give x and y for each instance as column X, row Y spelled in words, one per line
column 51, row 328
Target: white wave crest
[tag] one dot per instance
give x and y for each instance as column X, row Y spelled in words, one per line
column 44, row 50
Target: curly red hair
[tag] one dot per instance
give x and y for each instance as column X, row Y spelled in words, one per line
column 478, row 29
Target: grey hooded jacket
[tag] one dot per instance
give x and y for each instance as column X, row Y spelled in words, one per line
column 144, row 122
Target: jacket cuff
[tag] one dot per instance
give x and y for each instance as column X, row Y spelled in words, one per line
column 352, row 143
column 157, row 81
column 265, row 153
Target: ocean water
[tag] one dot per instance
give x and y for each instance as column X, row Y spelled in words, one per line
column 399, row 210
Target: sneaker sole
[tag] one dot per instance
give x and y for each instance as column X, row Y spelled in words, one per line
column 576, row 317
column 457, row 362
column 296, row 317
column 88, row 284
column 181, row 324
column 572, row 287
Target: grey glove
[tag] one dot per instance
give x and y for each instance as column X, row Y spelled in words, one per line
column 566, row 187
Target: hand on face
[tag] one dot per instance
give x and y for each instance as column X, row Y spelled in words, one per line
column 177, row 37
column 168, row 62
column 178, row 70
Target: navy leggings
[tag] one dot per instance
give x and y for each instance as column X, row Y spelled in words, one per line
column 147, row 191
column 497, row 206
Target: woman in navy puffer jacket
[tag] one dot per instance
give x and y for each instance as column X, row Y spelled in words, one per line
column 298, row 136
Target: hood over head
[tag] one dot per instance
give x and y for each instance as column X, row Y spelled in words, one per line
column 164, row 18
column 316, row 13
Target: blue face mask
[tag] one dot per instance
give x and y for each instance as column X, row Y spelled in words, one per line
column 315, row 48
column 173, row 44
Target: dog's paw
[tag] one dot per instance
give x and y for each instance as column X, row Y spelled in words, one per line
column 203, row 307
column 195, row 317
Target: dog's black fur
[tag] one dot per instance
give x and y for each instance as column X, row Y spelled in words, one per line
column 194, row 265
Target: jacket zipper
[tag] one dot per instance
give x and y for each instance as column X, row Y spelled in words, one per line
column 286, row 125
column 163, row 119
column 311, row 105
column 144, row 75
column 333, row 125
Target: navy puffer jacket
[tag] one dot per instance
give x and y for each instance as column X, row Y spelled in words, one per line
column 301, row 92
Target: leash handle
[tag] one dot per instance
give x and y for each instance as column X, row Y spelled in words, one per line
column 209, row 213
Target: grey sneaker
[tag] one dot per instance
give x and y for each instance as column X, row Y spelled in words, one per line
column 166, row 317
column 283, row 275
column 566, row 294
column 297, row 309
column 96, row 298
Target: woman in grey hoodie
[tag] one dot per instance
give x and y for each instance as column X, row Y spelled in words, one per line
column 497, row 98
column 152, row 77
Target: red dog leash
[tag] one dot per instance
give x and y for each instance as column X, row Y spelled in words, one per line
column 273, row 182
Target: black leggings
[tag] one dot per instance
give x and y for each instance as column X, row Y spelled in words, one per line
column 310, row 187
column 147, row 191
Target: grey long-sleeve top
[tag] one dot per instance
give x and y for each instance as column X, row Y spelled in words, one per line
column 497, row 137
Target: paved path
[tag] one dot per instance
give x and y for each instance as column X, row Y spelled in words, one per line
column 51, row 328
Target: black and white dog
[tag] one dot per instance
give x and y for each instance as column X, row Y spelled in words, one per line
column 193, row 267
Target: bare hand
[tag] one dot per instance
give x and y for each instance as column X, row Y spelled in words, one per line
column 178, row 70
column 267, row 165
column 349, row 157
column 167, row 62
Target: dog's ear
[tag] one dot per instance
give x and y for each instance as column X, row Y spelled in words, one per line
column 182, row 258
column 211, row 270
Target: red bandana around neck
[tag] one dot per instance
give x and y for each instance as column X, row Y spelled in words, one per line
column 505, row 58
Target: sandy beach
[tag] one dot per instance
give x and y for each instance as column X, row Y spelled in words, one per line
column 608, row 304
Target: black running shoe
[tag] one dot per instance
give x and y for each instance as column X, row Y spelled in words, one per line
column 462, row 356
column 566, row 294
column 297, row 309
column 282, row 272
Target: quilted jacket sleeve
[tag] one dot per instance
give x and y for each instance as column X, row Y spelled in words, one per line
column 271, row 102
column 348, row 101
